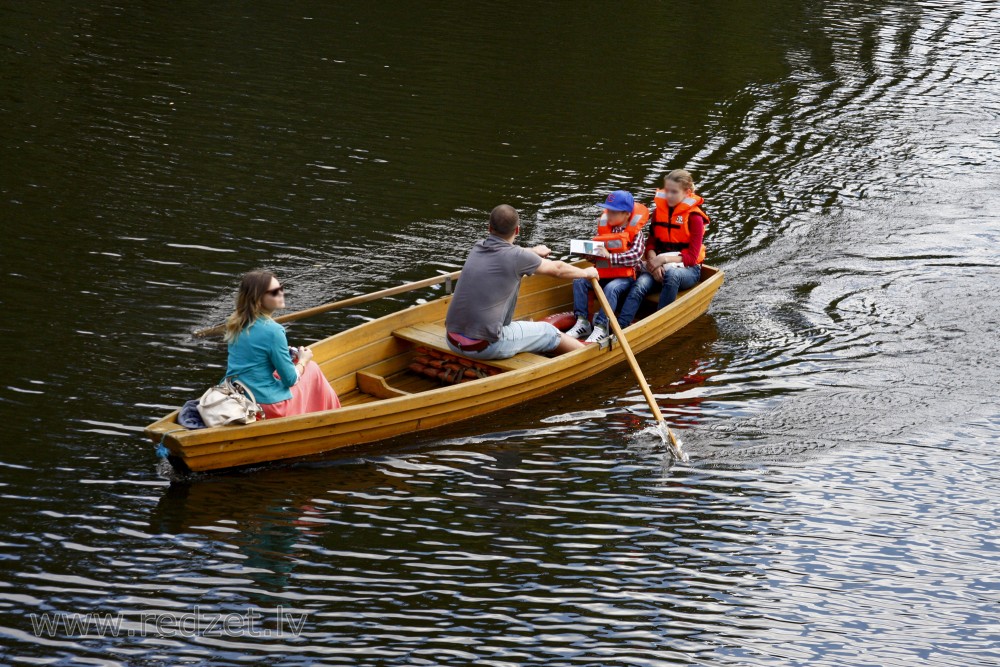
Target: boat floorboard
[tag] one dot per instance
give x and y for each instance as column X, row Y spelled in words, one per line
column 411, row 382
column 355, row 397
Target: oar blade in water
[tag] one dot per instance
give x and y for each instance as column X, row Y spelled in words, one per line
column 673, row 441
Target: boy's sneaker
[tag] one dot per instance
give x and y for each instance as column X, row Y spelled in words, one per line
column 597, row 335
column 581, row 328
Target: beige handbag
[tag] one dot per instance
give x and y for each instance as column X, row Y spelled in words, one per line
column 230, row 402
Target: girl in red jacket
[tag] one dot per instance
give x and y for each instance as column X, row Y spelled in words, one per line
column 675, row 251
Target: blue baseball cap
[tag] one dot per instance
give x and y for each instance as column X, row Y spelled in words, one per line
column 619, row 200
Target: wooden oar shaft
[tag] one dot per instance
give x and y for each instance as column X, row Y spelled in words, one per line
column 343, row 303
column 613, row 321
column 627, row 349
column 364, row 298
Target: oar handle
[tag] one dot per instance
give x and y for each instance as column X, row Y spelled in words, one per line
column 343, row 303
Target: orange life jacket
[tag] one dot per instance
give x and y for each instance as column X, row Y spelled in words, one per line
column 672, row 231
column 615, row 242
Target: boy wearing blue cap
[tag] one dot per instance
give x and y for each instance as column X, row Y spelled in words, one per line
column 618, row 262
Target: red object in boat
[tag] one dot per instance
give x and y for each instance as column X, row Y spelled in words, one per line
column 561, row 321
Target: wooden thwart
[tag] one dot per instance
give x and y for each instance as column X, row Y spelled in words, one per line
column 432, row 336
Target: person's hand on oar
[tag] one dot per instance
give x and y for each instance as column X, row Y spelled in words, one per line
column 542, row 251
column 665, row 431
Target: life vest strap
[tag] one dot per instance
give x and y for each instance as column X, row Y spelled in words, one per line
column 667, row 224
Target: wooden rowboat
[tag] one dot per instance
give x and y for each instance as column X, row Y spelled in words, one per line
column 368, row 366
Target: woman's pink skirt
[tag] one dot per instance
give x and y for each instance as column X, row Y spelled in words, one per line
column 311, row 393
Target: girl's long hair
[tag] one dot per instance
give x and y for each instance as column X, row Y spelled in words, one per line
column 682, row 177
column 249, row 303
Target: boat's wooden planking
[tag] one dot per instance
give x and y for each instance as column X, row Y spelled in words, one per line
column 377, row 354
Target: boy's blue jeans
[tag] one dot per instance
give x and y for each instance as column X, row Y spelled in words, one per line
column 614, row 288
column 674, row 280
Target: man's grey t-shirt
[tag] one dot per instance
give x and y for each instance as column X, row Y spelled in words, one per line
column 486, row 294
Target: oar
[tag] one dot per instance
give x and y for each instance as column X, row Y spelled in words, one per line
column 343, row 303
column 665, row 431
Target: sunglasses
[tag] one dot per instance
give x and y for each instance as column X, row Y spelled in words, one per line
column 274, row 292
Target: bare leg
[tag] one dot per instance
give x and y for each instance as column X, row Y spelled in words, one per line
column 567, row 344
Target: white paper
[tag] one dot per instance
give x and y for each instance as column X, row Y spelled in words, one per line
column 670, row 264
column 584, row 246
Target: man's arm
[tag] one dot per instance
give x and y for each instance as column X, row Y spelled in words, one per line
column 541, row 250
column 560, row 269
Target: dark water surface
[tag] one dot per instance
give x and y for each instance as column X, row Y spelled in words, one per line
column 839, row 400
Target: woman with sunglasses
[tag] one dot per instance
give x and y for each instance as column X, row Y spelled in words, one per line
column 260, row 358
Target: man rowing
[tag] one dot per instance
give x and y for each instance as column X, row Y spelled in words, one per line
column 479, row 320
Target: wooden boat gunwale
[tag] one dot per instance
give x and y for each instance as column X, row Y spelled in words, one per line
column 383, row 418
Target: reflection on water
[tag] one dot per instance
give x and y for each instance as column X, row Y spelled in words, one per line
column 839, row 507
column 496, row 545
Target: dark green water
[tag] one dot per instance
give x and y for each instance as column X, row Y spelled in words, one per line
column 839, row 400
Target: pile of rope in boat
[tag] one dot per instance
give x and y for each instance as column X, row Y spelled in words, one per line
column 447, row 368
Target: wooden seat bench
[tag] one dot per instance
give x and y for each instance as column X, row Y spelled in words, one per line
column 433, row 336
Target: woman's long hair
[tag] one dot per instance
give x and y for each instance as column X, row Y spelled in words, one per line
column 249, row 303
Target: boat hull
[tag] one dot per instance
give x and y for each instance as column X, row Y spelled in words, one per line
column 372, row 348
